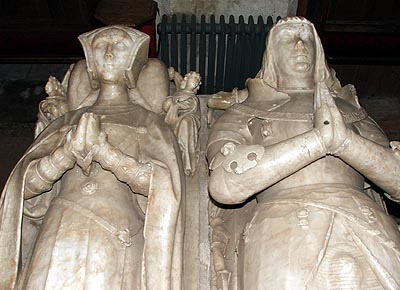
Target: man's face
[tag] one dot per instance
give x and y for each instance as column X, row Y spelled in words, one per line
column 111, row 52
column 294, row 48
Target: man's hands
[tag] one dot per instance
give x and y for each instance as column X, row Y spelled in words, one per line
column 85, row 141
column 328, row 120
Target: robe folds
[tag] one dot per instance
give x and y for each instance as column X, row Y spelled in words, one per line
column 161, row 256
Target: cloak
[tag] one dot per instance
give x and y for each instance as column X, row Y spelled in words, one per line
column 163, row 228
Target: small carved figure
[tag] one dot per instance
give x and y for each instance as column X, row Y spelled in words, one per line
column 85, row 183
column 302, row 144
column 183, row 115
column 54, row 106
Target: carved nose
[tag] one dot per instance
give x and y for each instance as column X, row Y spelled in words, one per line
column 108, row 53
column 299, row 44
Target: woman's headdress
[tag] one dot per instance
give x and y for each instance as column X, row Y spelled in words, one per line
column 138, row 55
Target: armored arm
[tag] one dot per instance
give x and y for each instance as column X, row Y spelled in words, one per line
column 375, row 161
column 378, row 163
column 239, row 171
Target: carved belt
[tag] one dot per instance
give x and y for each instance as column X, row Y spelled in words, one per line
column 123, row 235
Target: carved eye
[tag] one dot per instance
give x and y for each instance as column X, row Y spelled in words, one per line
column 99, row 44
column 286, row 36
column 119, row 45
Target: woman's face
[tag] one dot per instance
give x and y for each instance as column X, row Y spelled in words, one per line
column 112, row 52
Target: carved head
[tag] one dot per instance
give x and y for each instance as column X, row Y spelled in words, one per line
column 114, row 54
column 54, row 87
column 191, row 82
column 294, row 52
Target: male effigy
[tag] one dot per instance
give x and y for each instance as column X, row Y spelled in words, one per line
column 302, row 145
column 95, row 202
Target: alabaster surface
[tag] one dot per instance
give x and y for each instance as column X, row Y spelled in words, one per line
column 183, row 116
column 290, row 156
column 97, row 200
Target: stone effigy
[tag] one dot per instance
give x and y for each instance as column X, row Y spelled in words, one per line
column 302, row 145
column 96, row 201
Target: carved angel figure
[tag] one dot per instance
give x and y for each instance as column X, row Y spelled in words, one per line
column 303, row 145
column 95, row 202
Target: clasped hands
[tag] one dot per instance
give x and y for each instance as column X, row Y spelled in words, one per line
column 329, row 121
column 85, row 141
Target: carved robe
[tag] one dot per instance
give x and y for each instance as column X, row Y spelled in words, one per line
column 81, row 243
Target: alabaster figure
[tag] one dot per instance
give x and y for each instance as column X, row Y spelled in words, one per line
column 183, row 115
column 54, row 106
column 302, row 145
column 95, row 202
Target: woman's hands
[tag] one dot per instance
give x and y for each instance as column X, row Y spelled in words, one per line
column 85, row 142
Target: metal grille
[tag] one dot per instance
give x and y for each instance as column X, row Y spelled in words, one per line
column 225, row 54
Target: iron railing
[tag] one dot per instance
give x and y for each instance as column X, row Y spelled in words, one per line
column 225, row 54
